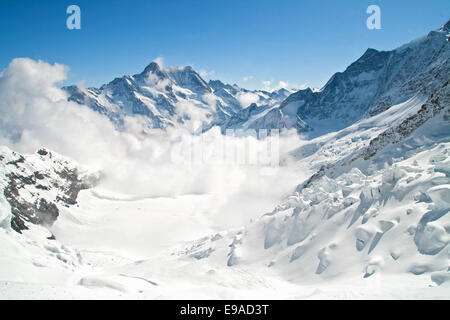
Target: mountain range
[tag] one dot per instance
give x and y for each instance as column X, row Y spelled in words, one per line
column 370, row 85
column 170, row 97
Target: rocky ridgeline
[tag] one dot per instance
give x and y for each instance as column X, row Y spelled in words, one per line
column 438, row 101
column 35, row 186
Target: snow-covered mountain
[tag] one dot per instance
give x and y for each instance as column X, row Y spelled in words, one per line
column 170, row 97
column 370, row 85
column 368, row 216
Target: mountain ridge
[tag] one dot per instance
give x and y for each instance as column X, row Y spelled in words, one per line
column 374, row 80
column 165, row 97
column 368, row 86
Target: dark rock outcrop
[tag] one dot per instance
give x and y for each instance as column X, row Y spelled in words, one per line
column 36, row 185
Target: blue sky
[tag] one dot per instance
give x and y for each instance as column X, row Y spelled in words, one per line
column 244, row 42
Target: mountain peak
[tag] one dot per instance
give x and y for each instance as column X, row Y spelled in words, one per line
column 370, row 51
column 152, row 68
column 187, row 77
column 446, row 26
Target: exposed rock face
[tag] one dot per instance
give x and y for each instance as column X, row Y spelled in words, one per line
column 36, row 185
column 438, row 101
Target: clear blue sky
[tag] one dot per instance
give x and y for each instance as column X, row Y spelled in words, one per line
column 302, row 42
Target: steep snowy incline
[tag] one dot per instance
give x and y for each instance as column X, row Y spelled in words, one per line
column 340, row 145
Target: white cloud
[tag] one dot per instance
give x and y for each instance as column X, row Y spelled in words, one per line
column 206, row 74
column 247, row 98
column 302, row 86
column 34, row 110
column 268, row 85
column 193, row 114
column 247, row 78
column 210, row 99
column 282, row 85
column 154, row 81
column 160, row 61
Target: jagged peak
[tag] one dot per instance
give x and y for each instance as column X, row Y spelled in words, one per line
column 446, row 26
column 153, row 67
column 216, row 83
column 185, row 71
column 283, row 91
column 370, row 51
column 252, row 106
column 187, row 77
column 180, row 69
column 43, row 151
